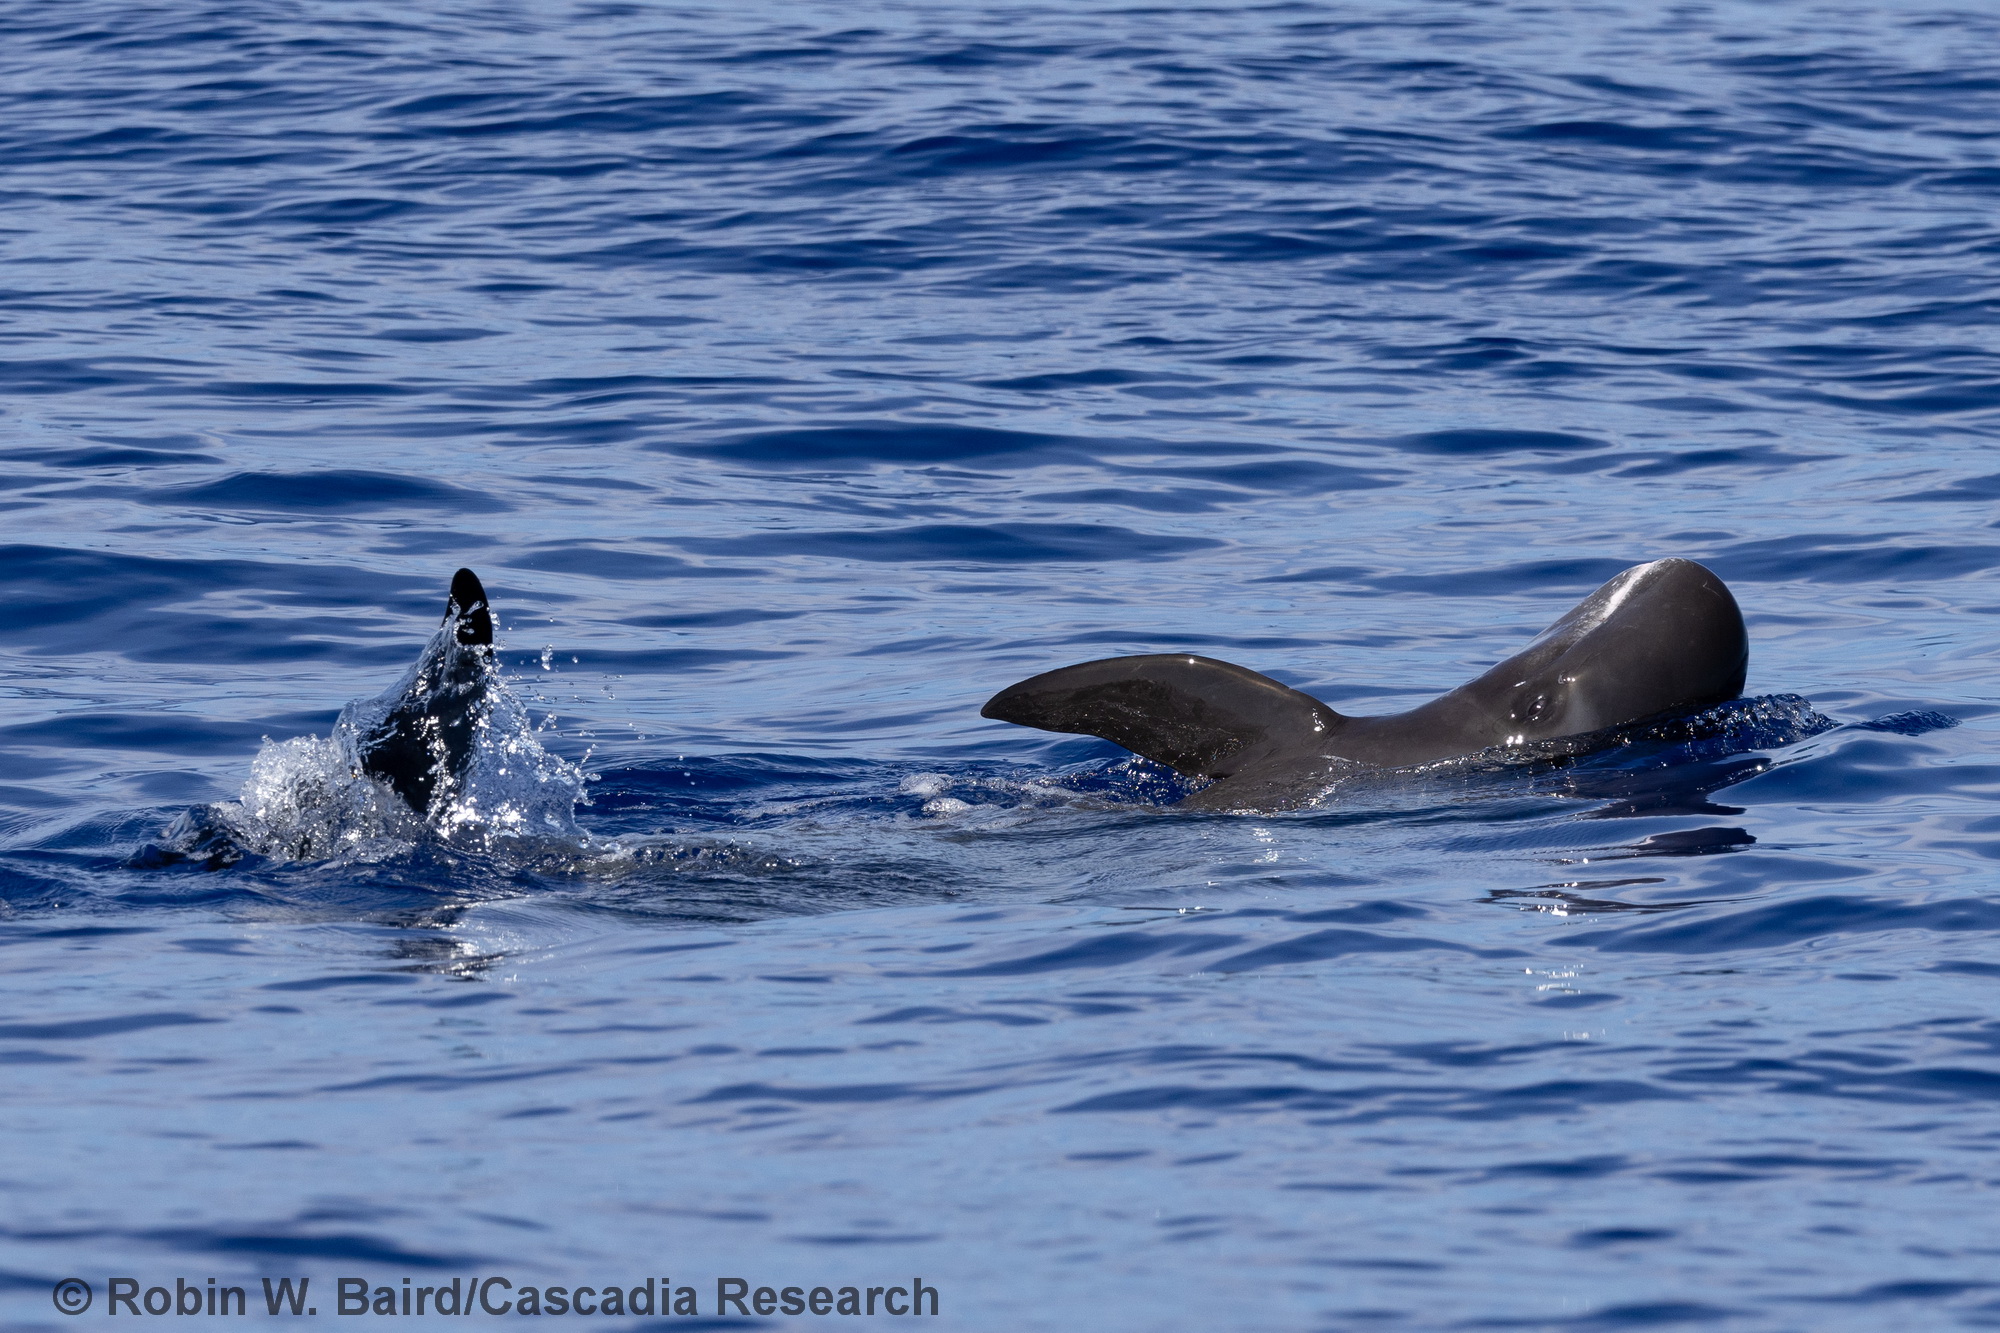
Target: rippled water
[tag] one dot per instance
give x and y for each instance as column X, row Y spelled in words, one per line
column 796, row 377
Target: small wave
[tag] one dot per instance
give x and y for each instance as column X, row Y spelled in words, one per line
column 1915, row 722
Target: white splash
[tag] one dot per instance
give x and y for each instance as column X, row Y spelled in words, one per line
column 946, row 806
column 308, row 798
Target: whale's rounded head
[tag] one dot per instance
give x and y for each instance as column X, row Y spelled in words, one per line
column 1659, row 636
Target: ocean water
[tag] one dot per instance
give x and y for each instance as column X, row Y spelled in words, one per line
column 798, row 375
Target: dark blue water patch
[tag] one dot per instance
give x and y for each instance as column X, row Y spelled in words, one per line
column 1462, row 1054
column 1967, row 490
column 1966, row 967
column 1028, row 147
column 84, row 1029
column 723, row 619
column 449, row 547
column 604, row 562
column 1599, row 1237
column 1323, row 574
column 935, row 1014
column 354, row 979
column 1669, row 464
column 334, row 212
column 716, row 789
column 1178, row 500
column 75, row 933
column 1376, row 1104
column 1481, row 443
column 65, row 600
column 223, row 947
column 1577, row 1168
column 32, row 888
column 107, row 456
column 1778, row 925
column 591, row 113
column 896, row 443
column 975, row 543
column 58, row 375
column 339, row 491
column 1363, row 914
column 1936, row 402
column 335, row 394
column 474, row 1001
column 1844, row 558
column 1835, row 1075
column 853, row 1094
column 1086, row 379
column 1708, row 405
column 1184, row 639
column 1626, row 1315
column 1883, row 1292
column 159, row 733
column 1280, row 476
column 1321, row 945
column 1864, row 767
column 1109, row 950
column 435, row 335
column 1574, row 573
column 350, row 1247
column 458, row 1084
column 1680, row 140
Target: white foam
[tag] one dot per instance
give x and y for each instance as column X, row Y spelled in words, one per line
column 308, row 799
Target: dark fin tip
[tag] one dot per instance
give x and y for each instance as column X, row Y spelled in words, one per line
column 468, row 606
column 1001, row 707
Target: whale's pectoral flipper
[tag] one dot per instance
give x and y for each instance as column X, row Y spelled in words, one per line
column 418, row 736
column 1202, row 717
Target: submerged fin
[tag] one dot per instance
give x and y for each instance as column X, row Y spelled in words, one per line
column 1202, row 717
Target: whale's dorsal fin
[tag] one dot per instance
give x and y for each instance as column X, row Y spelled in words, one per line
column 1202, row 717
column 468, row 607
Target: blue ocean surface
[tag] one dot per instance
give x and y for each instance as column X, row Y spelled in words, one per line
column 797, row 376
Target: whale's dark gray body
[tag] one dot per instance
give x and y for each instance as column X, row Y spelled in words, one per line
column 1657, row 638
column 419, row 736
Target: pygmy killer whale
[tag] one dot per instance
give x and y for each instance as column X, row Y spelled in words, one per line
column 1657, row 638
column 418, row 736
